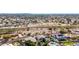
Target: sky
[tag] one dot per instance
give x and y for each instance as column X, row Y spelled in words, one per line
column 39, row 6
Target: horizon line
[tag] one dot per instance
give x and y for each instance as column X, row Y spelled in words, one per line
column 39, row 13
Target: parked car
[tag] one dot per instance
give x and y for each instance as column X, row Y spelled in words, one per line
column 61, row 37
column 53, row 44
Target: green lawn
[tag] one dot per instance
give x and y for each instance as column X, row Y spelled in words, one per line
column 68, row 43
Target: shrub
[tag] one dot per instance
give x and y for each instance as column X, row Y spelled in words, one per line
column 30, row 43
column 62, row 32
column 6, row 36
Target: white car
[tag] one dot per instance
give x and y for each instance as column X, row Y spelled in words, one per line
column 53, row 44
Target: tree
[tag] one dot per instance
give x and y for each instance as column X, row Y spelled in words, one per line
column 62, row 32
column 30, row 43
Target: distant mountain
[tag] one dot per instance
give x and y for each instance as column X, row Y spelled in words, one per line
column 29, row 14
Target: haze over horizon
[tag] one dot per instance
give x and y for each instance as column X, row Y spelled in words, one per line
column 39, row 6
